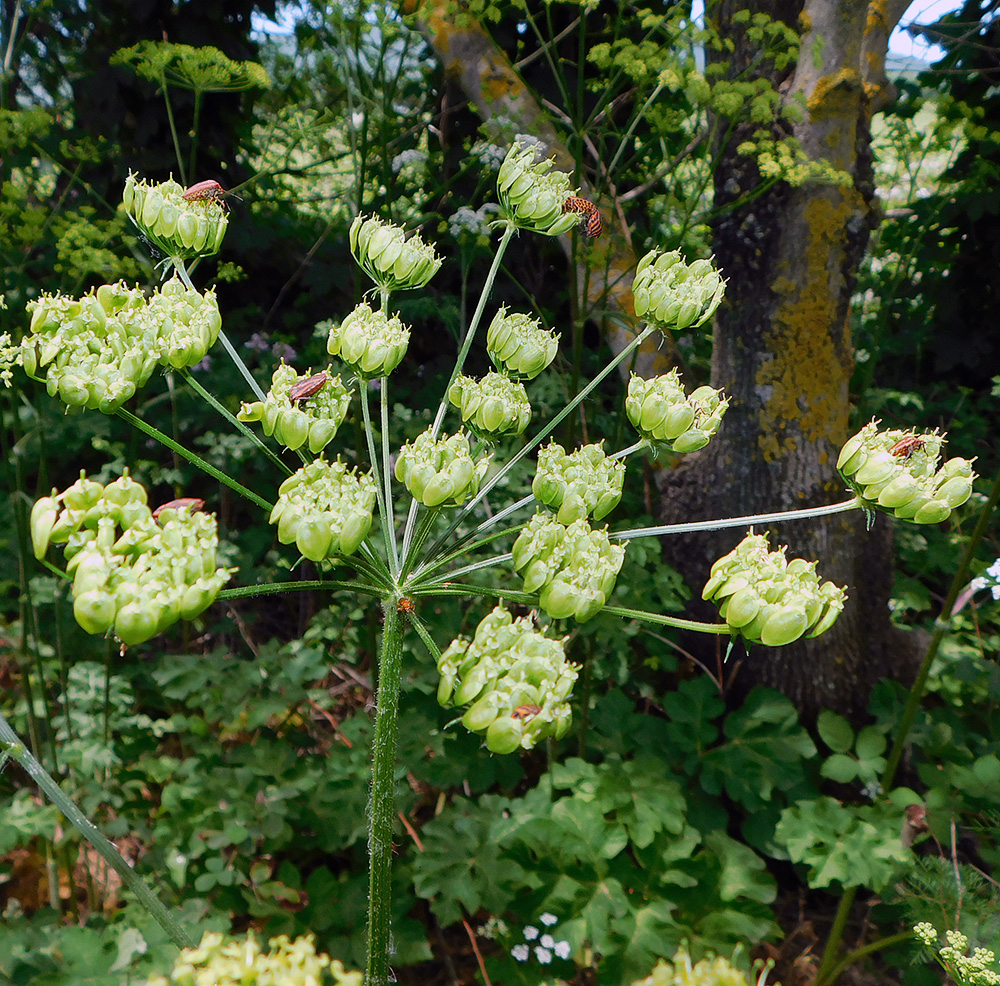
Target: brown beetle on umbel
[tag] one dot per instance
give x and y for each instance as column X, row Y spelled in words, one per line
column 526, row 712
column 905, row 447
column 309, row 387
column 202, row 190
column 193, row 503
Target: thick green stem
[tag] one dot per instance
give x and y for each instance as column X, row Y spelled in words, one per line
column 388, row 533
column 195, row 459
column 12, row 746
column 381, row 813
column 206, row 396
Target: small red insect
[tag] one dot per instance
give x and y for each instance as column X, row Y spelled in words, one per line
column 526, row 712
column 905, row 447
column 406, row 604
column 193, row 503
column 594, row 224
column 202, row 190
column 309, row 387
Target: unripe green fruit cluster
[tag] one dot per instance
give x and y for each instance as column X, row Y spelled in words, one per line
column 131, row 573
column 310, row 422
column 392, row 260
column 98, row 350
column 325, row 508
column 532, row 194
column 663, row 415
column 578, row 484
column 897, row 471
column 176, row 226
column 572, row 567
column 518, row 345
column 515, row 680
column 440, row 472
column 368, row 341
column 766, row 599
column 673, row 294
column 492, row 407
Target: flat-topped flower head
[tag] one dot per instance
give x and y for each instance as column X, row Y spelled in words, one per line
column 301, row 409
column 519, row 346
column 177, row 226
column 325, row 508
column 572, row 567
column 440, row 472
column 897, row 471
column 672, row 294
column 531, row 193
column 492, row 407
column 133, row 573
column 662, row 414
column 578, row 484
column 766, row 599
column 369, row 341
column 393, row 260
column 515, row 680
column 98, row 350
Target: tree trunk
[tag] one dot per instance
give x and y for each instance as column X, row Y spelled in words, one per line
column 782, row 352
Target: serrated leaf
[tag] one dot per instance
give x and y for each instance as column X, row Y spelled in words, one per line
column 765, row 750
column 691, row 712
column 840, row 767
column 835, row 731
column 743, row 873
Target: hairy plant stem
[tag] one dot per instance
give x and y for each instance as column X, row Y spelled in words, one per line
column 830, row 967
column 209, row 399
column 717, row 525
column 384, row 507
column 223, row 338
column 193, row 458
column 508, row 233
column 12, row 746
column 380, row 809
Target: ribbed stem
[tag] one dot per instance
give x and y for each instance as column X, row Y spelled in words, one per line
column 12, row 746
column 380, row 809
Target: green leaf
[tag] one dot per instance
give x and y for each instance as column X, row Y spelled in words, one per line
column 840, row 767
column 765, row 751
column 871, row 743
column 835, row 731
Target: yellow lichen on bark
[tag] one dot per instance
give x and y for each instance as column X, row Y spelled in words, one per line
column 832, row 91
column 805, row 380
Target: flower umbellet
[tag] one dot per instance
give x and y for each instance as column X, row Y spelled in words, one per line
column 405, row 526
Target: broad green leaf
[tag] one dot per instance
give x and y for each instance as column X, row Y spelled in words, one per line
column 835, row 731
column 840, row 768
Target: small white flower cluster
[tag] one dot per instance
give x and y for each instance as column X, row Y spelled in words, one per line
column 473, row 223
column 968, row 970
column 989, row 581
column 542, row 943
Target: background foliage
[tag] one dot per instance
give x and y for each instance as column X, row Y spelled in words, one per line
column 231, row 760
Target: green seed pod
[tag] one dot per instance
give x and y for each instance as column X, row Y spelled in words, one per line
column 391, row 260
column 504, row 735
column 43, row 518
column 370, row 342
column 672, row 294
column 531, row 193
column 493, row 407
column 519, row 346
column 440, row 472
column 95, row 610
column 578, row 484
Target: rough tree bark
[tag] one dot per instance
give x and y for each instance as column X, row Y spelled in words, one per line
column 782, row 351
